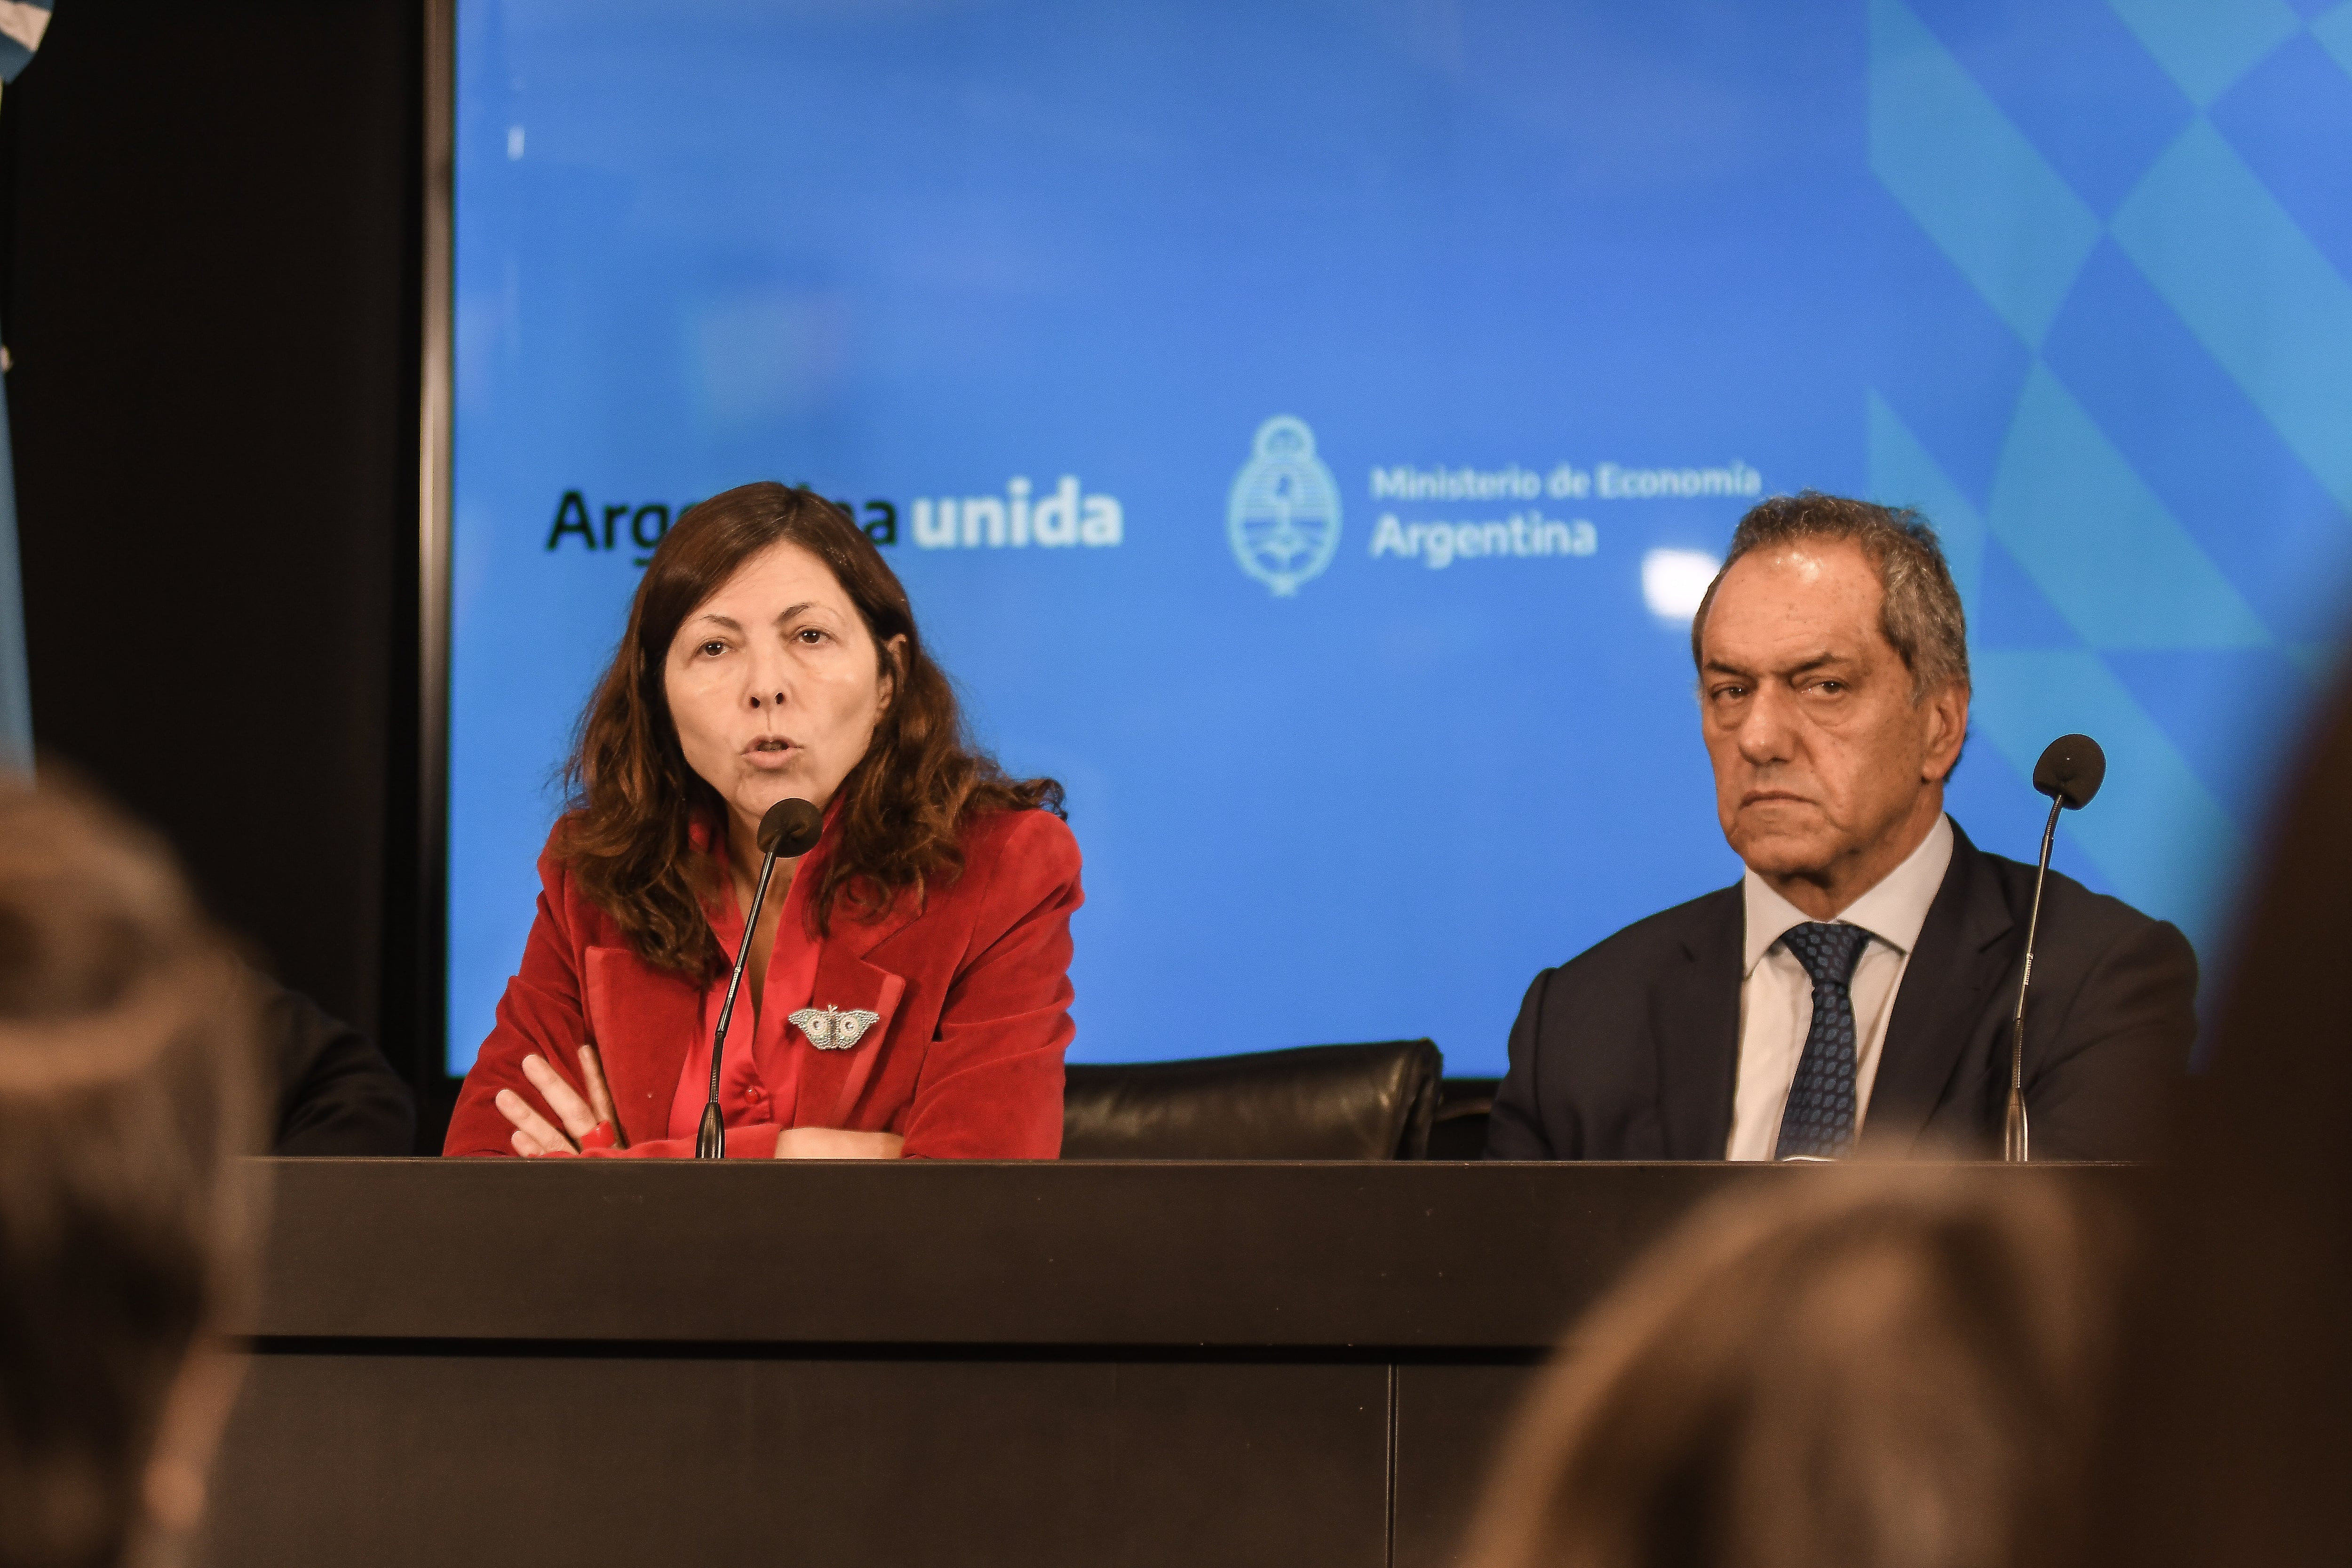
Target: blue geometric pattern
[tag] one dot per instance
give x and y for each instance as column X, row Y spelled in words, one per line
column 2333, row 32
column 2253, row 289
column 2122, row 570
column 1970, row 177
column 2207, row 44
column 1900, row 466
column 2180, row 295
column 2164, row 844
column 1819, row 1120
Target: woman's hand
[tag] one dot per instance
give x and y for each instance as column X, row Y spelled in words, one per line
column 833, row 1143
column 533, row 1138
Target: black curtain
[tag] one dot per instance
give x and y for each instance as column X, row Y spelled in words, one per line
column 209, row 287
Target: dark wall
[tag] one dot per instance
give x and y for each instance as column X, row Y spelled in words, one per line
column 210, row 296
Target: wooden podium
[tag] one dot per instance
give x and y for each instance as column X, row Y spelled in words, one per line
column 1036, row 1365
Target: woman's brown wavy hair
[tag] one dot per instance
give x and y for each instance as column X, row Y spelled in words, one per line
column 634, row 803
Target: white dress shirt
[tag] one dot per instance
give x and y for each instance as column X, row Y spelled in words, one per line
column 1776, row 994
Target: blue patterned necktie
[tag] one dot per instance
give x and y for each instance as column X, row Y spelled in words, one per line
column 1819, row 1120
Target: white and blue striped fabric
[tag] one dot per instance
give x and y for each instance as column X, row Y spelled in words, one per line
column 23, row 24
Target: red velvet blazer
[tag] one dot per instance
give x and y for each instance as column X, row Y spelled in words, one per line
column 971, row 984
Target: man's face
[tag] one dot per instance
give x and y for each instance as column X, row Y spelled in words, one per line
column 1825, row 771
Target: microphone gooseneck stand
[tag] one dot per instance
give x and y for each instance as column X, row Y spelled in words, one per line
column 2070, row 771
column 2013, row 1136
column 710, row 1141
column 791, row 828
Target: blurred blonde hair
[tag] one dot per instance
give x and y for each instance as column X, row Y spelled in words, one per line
column 129, row 1083
column 1874, row 1367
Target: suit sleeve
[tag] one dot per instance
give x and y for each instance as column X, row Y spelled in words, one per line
column 990, row 1087
column 542, row 1014
column 2118, row 1051
column 337, row 1095
column 1515, row 1127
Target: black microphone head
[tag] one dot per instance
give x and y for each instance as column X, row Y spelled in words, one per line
column 2070, row 771
column 792, row 828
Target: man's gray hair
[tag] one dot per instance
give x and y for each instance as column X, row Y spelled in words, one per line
column 1919, row 614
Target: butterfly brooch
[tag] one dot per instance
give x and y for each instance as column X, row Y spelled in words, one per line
column 832, row 1029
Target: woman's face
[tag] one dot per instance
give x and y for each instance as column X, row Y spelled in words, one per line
column 776, row 684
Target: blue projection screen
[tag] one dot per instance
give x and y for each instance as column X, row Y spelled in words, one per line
column 1305, row 428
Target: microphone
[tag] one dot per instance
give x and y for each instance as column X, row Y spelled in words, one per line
column 2071, row 770
column 791, row 828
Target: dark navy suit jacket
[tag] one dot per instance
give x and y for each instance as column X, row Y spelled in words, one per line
column 1629, row 1050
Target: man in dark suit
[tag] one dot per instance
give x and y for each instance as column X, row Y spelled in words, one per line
column 336, row 1094
column 1857, row 985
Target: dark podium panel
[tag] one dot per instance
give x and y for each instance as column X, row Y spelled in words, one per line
column 464, row 1362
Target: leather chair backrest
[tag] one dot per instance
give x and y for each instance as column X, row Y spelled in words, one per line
column 1464, row 1107
column 1317, row 1102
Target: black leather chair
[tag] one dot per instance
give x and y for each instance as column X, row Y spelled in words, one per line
column 1317, row 1102
column 1463, row 1106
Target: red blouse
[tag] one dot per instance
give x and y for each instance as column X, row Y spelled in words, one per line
column 971, row 984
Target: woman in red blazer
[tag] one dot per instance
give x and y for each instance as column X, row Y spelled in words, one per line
column 770, row 654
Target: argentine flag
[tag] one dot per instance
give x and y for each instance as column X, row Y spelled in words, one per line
column 22, row 24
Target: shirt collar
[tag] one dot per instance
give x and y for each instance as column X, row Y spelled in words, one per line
column 1893, row 911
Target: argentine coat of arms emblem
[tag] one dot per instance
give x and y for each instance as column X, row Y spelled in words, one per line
column 1283, row 518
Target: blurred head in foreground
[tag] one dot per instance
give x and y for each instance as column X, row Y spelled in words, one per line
column 1871, row 1368
column 127, row 1089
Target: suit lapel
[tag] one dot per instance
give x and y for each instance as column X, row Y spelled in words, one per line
column 1941, row 1003
column 645, row 1021
column 1696, row 1016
